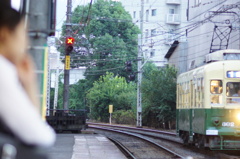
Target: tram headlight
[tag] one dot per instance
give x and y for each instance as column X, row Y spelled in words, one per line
column 238, row 116
column 216, row 121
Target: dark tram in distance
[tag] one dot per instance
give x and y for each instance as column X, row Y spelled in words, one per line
column 67, row 120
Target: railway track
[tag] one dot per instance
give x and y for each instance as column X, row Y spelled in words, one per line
column 156, row 151
column 133, row 128
column 165, row 135
column 123, row 148
column 167, row 140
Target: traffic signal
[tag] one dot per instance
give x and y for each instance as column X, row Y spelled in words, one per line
column 131, row 77
column 69, row 45
column 128, row 66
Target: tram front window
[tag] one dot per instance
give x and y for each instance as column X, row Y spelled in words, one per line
column 233, row 93
column 216, row 91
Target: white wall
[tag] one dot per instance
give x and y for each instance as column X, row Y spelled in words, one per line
column 160, row 42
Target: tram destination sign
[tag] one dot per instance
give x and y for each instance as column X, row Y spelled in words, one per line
column 233, row 74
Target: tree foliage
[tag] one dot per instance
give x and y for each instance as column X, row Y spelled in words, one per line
column 110, row 89
column 159, row 95
column 105, row 39
column 77, row 94
column 124, row 117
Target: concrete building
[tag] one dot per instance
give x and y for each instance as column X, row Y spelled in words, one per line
column 162, row 25
column 213, row 25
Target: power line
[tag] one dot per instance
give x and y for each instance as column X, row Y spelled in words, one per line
column 194, row 25
column 105, row 70
column 198, row 51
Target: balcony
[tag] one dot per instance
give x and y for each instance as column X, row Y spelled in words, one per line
column 173, row 19
column 176, row 2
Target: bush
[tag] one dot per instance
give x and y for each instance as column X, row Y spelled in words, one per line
column 124, row 117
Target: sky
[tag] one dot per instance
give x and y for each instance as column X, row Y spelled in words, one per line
column 61, row 10
column 16, row 4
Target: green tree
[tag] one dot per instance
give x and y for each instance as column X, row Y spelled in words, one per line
column 108, row 37
column 77, row 95
column 159, row 95
column 110, row 89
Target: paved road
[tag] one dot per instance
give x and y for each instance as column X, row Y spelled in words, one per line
column 63, row 147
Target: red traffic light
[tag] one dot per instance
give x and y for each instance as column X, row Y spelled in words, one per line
column 69, row 41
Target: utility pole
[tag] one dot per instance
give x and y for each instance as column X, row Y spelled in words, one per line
column 139, row 82
column 67, row 57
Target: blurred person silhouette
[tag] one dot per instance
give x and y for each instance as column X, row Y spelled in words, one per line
column 236, row 100
column 19, row 105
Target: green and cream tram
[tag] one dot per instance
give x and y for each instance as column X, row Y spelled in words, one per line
column 208, row 103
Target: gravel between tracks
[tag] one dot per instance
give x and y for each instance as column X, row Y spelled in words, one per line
column 140, row 149
column 191, row 152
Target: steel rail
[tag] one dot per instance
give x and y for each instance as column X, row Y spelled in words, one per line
column 123, row 148
column 144, row 132
column 140, row 137
column 133, row 128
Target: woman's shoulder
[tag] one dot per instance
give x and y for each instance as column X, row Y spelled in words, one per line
column 7, row 67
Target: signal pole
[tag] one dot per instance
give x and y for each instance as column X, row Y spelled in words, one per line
column 67, row 57
column 139, row 82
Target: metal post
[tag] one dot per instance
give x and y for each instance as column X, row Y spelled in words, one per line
column 110, row 119
column 56, row 85
column 48, row 86
column 139, row 94
column 66, row 68
column 38, row 32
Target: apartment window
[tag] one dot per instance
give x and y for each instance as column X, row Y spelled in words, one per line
column 147, row 13
column 152, row 53
column 171, row 11
column 154, row 12
column 134, row 14
column 153, row 32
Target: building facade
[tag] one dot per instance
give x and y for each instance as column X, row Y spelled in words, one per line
column 162, row 25
column 213, row 25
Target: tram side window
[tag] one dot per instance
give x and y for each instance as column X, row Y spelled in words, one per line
column 216, row 91
column 233, row 91
column 199, row 93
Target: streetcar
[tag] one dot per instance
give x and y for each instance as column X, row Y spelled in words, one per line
column 208, row 103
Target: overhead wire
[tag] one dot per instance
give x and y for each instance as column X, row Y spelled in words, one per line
column 199, row 22
column 173, row 30
column 208, row 48
column 198, row 45
column 191, row 25
column 133, row 57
